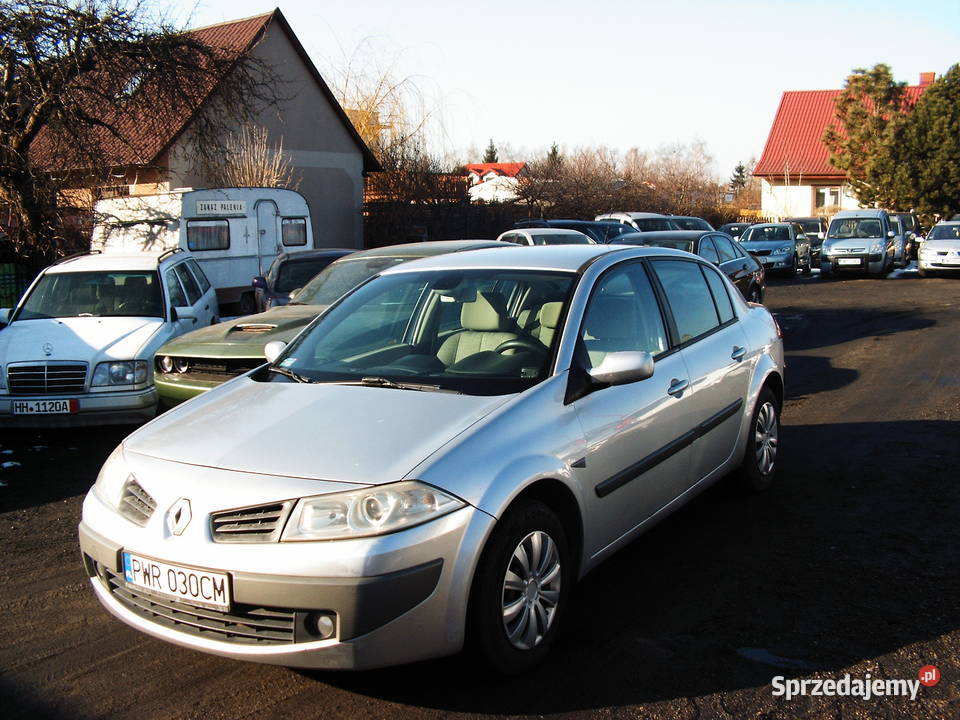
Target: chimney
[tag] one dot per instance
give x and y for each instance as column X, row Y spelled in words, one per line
column 926, row 78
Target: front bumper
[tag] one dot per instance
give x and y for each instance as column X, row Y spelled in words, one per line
column 173, row 389
column 772, row 263
column 108, row 408
column 872, row 263
column 397, row 598
column 929, row 261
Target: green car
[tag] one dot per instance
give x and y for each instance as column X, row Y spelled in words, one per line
column 200, row 360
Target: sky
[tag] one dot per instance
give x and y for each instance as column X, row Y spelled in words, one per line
column 621, row 74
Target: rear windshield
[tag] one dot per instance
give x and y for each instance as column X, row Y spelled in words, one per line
column 765, row 233
column 344, row 275
column 94, row 294
column 295, row 274
column 559, row 239
column 649, row 224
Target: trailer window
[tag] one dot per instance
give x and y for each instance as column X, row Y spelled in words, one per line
column 208, row 234
column 294, row 231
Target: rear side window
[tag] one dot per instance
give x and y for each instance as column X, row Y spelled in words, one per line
column 208, row 234
column 725, row 248
column 293, row 231
column 708, row 251
column 177, row 297
column 199, row 275
column 720, row 296
column 189, row 284
column 689, row 296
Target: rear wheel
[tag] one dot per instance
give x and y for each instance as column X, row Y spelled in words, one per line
column 759, row 466
column 520, row 589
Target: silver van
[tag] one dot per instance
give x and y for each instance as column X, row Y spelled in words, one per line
column 859, row 241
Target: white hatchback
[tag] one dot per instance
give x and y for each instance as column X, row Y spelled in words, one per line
column 78, row 348
column 940, row 252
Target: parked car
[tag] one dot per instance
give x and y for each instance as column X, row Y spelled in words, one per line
column 207, row 357
column 687, row 222
column 779, row 247
column 858, row 241
column 545, row 236
column 291, row 272
column 743, row 270
column 908, row 238
column 815, row 228
column 413, row 472
column 734, row 230
column 601, row 232
column 78, row 348
column 940, row 252
column 640, row 221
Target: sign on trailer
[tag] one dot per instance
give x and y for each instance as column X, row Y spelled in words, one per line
column 221, row 207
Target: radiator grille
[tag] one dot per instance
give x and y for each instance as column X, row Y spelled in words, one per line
column 244, row 624
column 47, row 378
column 136, row 504
column 262, row 523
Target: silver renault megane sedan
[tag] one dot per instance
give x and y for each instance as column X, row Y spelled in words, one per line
column 435, row 460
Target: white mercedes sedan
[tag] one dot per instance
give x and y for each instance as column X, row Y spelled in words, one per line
column 437, row 459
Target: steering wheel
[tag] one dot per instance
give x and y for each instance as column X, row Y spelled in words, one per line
column 524, row 344
column 132, row 307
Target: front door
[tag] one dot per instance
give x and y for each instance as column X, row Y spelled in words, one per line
column 267, row 234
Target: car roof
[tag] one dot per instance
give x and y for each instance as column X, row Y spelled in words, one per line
column 570, row 258
column 763, row 225
column 634, row 215
column 860, row 214
column 662, row 235
column 111, row 261
column 426, row 249
column 546, row 231
column 314, row 254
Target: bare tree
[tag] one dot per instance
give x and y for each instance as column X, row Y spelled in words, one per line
column 83, row 83
column 247, row 159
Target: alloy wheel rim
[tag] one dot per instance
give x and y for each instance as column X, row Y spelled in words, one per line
column 531, row 590
column 766, row 437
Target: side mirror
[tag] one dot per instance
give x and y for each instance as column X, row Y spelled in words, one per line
column 272, row 350
column 913, row 236
column 182, row 313
column 620, row 368
column 4, row 316
column 260, row 282
column 801, row 236
column 891, row 233
column 293, row 293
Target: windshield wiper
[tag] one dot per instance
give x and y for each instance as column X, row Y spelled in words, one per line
column 288, row 373
column 393, row 385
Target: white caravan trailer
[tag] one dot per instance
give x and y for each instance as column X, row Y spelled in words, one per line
column 234, row 233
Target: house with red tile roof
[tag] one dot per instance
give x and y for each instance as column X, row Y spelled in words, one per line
column 318, row 138
column 796, row 177
column 494, row 182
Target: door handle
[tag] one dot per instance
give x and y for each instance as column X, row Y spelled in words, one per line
column 677, row 387
column 738, row 353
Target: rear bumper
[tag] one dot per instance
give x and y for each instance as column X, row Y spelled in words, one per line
column 109, row 408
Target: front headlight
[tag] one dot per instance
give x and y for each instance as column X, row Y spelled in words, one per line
column 371, row 511
column 111, row 479
column 123, row 372
column 878, row 246
column 783, row 250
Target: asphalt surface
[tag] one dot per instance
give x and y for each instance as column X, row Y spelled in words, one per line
column 848, row 565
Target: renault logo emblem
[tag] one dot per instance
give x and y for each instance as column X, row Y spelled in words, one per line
column 47, row 349
column 179, row 516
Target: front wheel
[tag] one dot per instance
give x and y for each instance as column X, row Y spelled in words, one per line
column 520, row 589
column 808, row 268
column 759, row 466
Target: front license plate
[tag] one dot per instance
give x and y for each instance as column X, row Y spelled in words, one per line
column 45, row 407
column 951, row 261
column 848, row 261
column 197, row 587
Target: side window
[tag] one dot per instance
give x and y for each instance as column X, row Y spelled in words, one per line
column 725, row 248
column 516, row 238
column 199, row 275
column 707, row 251
column 177, row 298
column 720, row 296
column 689, row 297
column 189, row 284
column 623, row 314
column 293, row 231
column 208, row 234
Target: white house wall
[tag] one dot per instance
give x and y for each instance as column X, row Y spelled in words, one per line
column 322, row 151
column 779, row 200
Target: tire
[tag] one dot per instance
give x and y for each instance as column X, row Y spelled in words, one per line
column 759, row 467
column 926, row 273
column 501, row 584
column 796, row 266
column 248, row 305
column 808, row 268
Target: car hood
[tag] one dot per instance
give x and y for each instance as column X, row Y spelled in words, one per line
column 84, row 339
column 752, row 245
column 945, row 244
column 244, row 336
column 356, row 434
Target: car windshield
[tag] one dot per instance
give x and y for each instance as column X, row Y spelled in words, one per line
column 295, row 274
column 94, row 294
column 477, row 331
column 944, row 232
column 765, row 233
column 810, row 227
column 559, row 239
column 343, row 276
column 692, row 224
column 845, row 228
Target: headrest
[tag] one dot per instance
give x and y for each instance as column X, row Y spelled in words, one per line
column 482, row 314
column 550, row 314
column 135, row 281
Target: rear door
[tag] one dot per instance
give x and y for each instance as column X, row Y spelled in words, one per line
column 734, row 264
